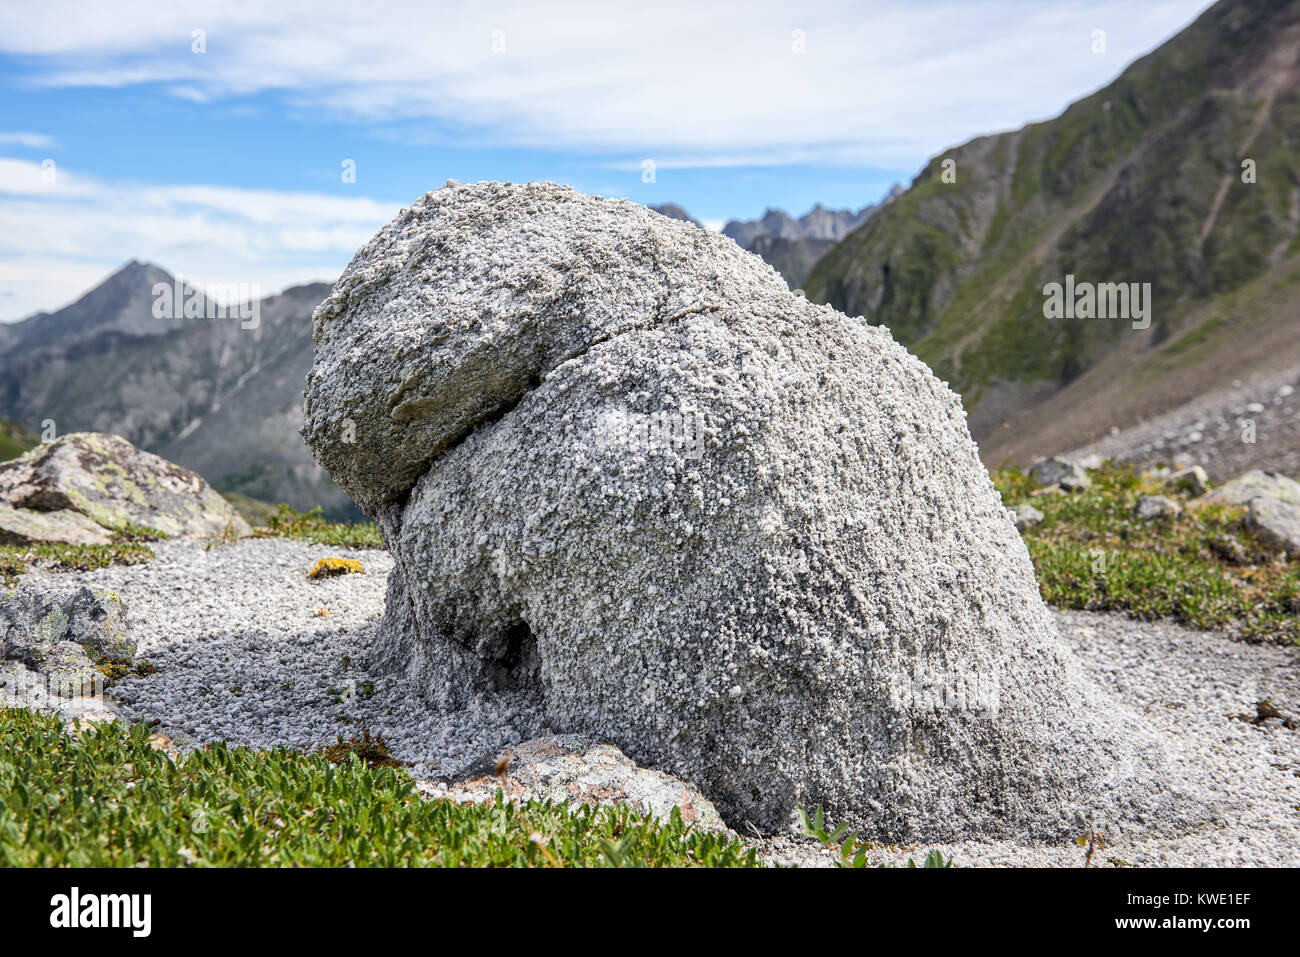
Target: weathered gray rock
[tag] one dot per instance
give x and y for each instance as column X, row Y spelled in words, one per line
column 24, row 526
column 1025, row 515
column 33, row 623
column 65, row 667
column 107, row 479
column 745, row 537
column 1256, row 484
column 58, row 639
column 575, row 770
column 76, row 694
column 1056, row 471
column 1150, row 507
column 1192, row 480
column 1275, row 523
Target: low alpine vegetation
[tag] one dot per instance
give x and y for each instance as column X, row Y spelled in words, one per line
column 1201, row 567
column 852, row 852
column 104, row 796
column 16, row 559
column 311, row 526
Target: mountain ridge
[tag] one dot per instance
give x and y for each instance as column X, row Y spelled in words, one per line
column 1141, row 181
column 209, row 394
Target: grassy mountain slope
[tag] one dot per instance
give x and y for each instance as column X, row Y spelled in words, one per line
column 15, row 439
column 1139, row 182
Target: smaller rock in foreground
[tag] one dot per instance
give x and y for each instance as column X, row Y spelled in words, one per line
column 1150, row 507
column 577, row 770
column 1061, row 472
column 35, row 625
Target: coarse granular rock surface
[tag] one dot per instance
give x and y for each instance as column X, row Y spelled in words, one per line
column 625, row 473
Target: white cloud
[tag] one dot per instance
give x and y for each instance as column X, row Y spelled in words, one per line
column 704, row 84
column 64, row 237
column 45, row 179
column 689, row 85
column 35, row 141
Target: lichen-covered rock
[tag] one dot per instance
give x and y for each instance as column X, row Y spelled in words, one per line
column 32, row 620
column 25, row 526
column 61, row 639
column 575, row 770
column 743, row 536
column 110, row 481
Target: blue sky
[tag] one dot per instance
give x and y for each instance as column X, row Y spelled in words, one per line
column 219, row 155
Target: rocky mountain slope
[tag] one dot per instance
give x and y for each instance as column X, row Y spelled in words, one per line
column 1183, row 173
column 793, row 246
column 790, row 246
column 209, row 394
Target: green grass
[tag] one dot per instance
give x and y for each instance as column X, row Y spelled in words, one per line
column 1090, row 552
column 852, row 852
column 104, row 797
column 16, row 559
column 312, row 526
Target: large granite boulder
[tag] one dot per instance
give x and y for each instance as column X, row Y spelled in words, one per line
column 747, row 538
column 59, row 490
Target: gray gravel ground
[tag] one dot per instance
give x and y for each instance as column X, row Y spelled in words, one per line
column 242, row 655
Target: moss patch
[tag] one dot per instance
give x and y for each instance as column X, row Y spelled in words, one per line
column 372, row 751
column 311, row 526
column 329, row 567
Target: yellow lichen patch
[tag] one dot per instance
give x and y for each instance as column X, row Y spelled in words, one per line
column 327, row 567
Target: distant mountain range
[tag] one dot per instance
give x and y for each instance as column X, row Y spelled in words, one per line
column 791, row 246
column 209, row 394
column 1183, row 173
column 818, row 223
column 206, row 393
